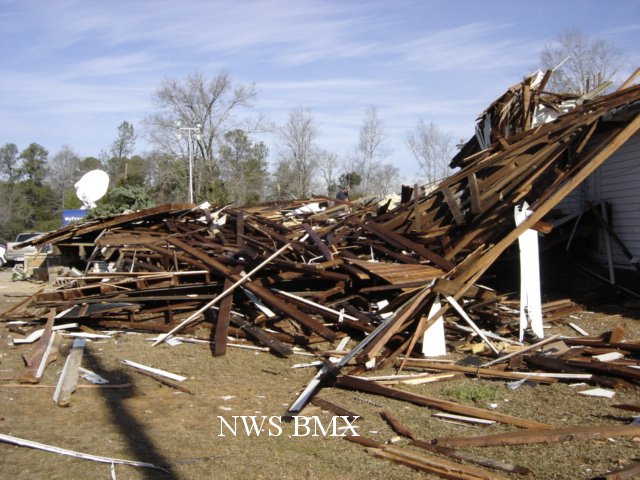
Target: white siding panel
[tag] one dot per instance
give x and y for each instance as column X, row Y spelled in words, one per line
column 619, row 184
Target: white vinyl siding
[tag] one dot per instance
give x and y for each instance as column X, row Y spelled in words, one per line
column 617, row 182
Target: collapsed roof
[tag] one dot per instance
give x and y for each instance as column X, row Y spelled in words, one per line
column 303, row 271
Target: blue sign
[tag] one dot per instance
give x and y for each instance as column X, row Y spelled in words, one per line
column 73, row 216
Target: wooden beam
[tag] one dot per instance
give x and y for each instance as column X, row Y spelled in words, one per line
column 452, row 203
column 355, row 383
column 68, row 380
column 474, row 193
column 599, row 432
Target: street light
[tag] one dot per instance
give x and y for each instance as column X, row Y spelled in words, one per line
column 196, row 129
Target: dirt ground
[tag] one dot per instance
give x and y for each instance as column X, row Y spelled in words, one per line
column 148, row 422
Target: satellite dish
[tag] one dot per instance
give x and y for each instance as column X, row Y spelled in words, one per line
column 92, row 187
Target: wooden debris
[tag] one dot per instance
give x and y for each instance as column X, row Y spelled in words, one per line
column 321, row 269
column 72, row 453
column 396, row 425
column 426, row 463
column 69, row 377
column 354, row 383
column 471, row 458
column 537, row 436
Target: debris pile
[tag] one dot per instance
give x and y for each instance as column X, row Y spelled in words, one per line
column 298, row 274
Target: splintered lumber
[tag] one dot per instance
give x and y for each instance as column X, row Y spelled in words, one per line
column 332, row 370
column 522, row 350
column 69, row 377
column 164, row 381
column 426, row 463
column 264, row 338
column 395, row 424
column 629, row 473
column 355, row 383
column 481, row 372
column 72, row 453
column 452, row 301
column 157, row 371
column 41, row 354
column 325, row 404
column 227, row 291
column 432, row 464
column 222, row 322
column 472, row 458
column 549, row 436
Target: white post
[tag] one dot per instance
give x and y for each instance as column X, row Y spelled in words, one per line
column 189, row 150
column 530, row 297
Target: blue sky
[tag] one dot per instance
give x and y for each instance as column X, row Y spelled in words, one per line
column 71, row 71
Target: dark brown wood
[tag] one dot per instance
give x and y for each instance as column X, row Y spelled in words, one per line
column 222, row 322
column 472, row 458
column 599, row 432
column 263, row 337
column 395, row 424
column 629, row 473
column 325, row 404
column 355, row 383
column 318, row 242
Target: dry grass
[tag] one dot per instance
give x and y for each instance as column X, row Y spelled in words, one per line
column 156, row 424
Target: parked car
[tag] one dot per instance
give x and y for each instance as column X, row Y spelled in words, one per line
column 16, row 255
column 3, row 259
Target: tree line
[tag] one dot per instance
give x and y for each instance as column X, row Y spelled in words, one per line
column 206, row 143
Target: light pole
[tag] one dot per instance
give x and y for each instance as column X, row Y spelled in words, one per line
column 196, row 129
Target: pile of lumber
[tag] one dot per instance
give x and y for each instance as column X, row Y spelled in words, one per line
column 309, row 270
column 306, row 273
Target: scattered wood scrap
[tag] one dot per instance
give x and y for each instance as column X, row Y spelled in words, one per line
column 306, row 273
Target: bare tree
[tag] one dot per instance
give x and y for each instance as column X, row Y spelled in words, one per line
column 197, row 103
column 297, row 139
column 64, row 168
column 328, row 168
column 433, row 150
column 370, row 151
column 384, row 179
column 584, row 63
column 121, row 150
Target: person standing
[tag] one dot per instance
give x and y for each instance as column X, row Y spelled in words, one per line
column 343, row 194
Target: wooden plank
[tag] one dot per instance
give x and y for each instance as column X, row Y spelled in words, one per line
column 318, row 242
column 399, row 273
column 254, row 287
column 395, row 424
column 42, row 353
column 474, row 193
column 472, row 458
column 452, row 203
column 325, row 404
column 355, row 383
column 417, row 221
column 628, row 473
column 432, row 464
column 222, row 322
column 69, row 377
column 402, row 242
column 598, row 432
column 478, row 372
column 263, row 337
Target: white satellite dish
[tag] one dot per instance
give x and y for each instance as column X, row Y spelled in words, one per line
column 92, row 187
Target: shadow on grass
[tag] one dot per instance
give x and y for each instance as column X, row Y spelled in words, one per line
column 140, row 445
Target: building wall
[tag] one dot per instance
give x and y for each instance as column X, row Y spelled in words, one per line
column 617, row 182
